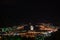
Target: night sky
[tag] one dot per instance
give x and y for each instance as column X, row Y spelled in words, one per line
column 13, row 13
column 31, row 11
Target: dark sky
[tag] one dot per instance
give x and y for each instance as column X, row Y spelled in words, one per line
column 13, row 12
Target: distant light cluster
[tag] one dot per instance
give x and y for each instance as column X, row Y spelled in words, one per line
column 44, row 29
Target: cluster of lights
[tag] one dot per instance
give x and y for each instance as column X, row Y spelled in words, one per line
column 42, row 35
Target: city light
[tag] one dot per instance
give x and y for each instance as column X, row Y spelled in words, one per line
column 45, row 30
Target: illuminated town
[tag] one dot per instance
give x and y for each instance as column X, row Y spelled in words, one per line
column 37, row 31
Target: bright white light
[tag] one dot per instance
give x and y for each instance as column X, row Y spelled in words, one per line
column 31, row 28
column 50, row 31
